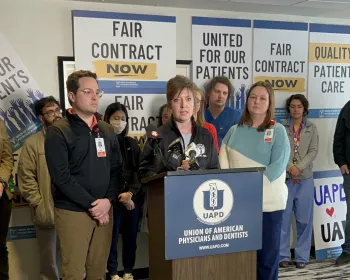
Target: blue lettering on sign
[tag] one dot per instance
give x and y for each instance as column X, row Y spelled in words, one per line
column 329, row 194
column 210, row 215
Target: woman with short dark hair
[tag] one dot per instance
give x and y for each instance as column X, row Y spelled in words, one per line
column 303, row 139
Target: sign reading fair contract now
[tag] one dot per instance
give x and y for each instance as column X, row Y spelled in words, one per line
column 212, row 214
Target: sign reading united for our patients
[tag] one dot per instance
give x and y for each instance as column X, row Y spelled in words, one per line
column 223, row 47
column 280, row 58
column 329, row 69
column 133, row 55
column 212, row 214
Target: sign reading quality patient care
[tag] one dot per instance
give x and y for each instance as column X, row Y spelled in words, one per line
column 329, row 69
column 208, row 214
column 133, row 56
column 223, row 47
column 280, row 58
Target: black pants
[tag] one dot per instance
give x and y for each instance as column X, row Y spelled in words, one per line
column 5, row 213
column 127, row 220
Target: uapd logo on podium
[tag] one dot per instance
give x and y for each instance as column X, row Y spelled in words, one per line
column 213, row 202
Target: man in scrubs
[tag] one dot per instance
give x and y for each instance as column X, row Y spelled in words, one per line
column 218, row 92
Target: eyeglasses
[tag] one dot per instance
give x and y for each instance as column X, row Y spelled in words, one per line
column 89, row 92
column 51, row 113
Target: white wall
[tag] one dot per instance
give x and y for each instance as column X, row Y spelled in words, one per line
column 41, row 30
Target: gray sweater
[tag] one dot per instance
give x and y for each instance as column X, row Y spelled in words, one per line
column 308, row 149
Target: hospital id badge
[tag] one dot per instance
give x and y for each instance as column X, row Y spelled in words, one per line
column 100, row 147
column 268, row 135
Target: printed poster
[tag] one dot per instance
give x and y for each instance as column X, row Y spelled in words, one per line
column 18, row 93
column 329, row 216
column 133, row 55
column 280, row 58
column 329, row 69
column 213, row 218
column 223, row 47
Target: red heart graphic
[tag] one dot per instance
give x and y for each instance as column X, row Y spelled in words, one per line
column 330, row 211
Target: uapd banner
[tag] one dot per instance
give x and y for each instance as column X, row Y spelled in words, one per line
column 223, row 47
column 18, row 93
column 133, row 55
column 329, row 69
column 329, row 214
column 280, row 58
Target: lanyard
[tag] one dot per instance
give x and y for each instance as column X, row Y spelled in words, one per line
column 296, row 136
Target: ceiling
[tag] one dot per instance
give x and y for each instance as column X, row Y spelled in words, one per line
column 312, row 8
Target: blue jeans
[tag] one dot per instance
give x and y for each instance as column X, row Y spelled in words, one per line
column 125, row 221
column 301, row 202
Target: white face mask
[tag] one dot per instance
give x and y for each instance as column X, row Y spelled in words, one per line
column 118, row 125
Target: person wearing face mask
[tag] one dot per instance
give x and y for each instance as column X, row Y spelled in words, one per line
column 126, row 211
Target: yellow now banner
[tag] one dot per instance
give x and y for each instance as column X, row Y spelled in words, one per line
column 133, row 70
column 284, row 84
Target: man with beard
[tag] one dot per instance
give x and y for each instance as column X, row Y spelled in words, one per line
column 35, row 184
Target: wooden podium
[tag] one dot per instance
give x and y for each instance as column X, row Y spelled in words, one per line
column 238, row 266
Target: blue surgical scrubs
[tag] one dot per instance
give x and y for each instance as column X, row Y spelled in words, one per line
column 301, row 202
column 227, row 118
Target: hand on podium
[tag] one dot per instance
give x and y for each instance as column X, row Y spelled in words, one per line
column 185, row 165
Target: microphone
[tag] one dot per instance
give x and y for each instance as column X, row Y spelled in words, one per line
column 176, row 151
column 153, row 139
column 192, row 152
column 177, row 146
column 153, row 136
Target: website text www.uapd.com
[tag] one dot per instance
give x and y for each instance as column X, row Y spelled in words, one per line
column 216, row 246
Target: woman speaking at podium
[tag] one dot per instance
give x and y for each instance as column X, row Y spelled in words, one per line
column 180, row 144
column 258, row 141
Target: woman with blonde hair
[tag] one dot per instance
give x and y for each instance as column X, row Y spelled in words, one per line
column 199, row 116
